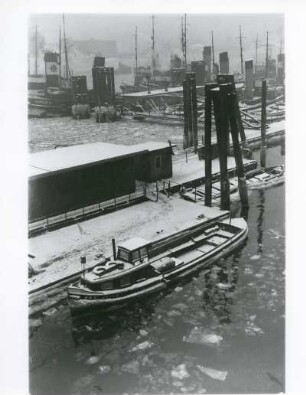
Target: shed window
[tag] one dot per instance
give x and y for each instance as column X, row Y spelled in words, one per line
column 158, row 162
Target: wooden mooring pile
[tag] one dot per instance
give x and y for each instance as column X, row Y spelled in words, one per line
column 221, row 99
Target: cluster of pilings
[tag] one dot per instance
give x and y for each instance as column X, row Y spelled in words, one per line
column 80, row 108
column 221, row 97
column 190, row 111
column 103, row 82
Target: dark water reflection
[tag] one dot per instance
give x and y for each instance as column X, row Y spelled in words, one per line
column 228, row 319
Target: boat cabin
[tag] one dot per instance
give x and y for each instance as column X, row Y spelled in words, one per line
column 134, row 250
column 131, row 266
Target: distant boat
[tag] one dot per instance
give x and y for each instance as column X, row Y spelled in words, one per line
column 138, row 271
column 264, row 178
column 255, row 179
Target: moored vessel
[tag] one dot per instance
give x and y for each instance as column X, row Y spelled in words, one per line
column 141, row 268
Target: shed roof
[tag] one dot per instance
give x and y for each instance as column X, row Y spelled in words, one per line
column 153, row 146
column 62, row 159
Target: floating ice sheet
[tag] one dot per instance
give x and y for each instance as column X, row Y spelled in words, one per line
column 180, row 372
column 200, row 336
column 142, row 346
column 213, row 373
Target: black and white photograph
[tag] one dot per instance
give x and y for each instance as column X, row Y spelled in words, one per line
column 156, row 248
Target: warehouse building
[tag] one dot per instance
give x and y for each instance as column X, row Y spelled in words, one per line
column 68, row 178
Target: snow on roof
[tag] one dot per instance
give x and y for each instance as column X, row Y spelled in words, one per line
column 134, row 243
column 152, row 146
column 78, row 155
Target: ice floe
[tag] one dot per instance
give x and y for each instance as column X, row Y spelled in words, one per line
column 213, row 373
column 200, row 336
column 180, row 372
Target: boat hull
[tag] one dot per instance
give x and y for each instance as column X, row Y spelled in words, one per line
column 81, row 299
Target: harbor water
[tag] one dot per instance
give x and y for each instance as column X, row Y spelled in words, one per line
column 222, row 331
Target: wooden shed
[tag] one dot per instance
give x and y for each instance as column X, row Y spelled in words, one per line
column 72, row 177
column 155, row 163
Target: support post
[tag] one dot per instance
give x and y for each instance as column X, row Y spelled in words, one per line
column 225, row 89
column 263, row 123
column 207, row 143
column 193, row 87
column 221, row 119
column 243, row 192
column 186, row 113
column 189, row 109
column 229, row 78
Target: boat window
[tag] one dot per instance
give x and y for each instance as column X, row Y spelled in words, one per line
column 107, row 285
column 145, row 273
column 125, row 281
column 141, row 275
column 135, row 255
column 122, row 254
column 143, row 252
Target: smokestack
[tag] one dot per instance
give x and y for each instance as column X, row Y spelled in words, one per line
column 52, row 69
column 207, row 62
column 224, row 63
column 249, row 79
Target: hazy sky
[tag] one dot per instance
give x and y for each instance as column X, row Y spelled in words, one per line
column 167, row 31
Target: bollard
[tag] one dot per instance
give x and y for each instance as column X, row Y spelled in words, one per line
column 263, row 156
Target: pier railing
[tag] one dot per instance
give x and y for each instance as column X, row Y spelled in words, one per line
column 55, row 221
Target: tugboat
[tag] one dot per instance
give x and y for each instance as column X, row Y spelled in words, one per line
column 140, row 268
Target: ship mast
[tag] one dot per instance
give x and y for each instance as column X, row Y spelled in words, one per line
column 153, row 48
column 60, row 56
column 184, row 41
column 136, row 59
column 241, row 50
column 267, row 54
column 256, row 48
column 36, row 52
column 65, row 50
column 213, row 52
